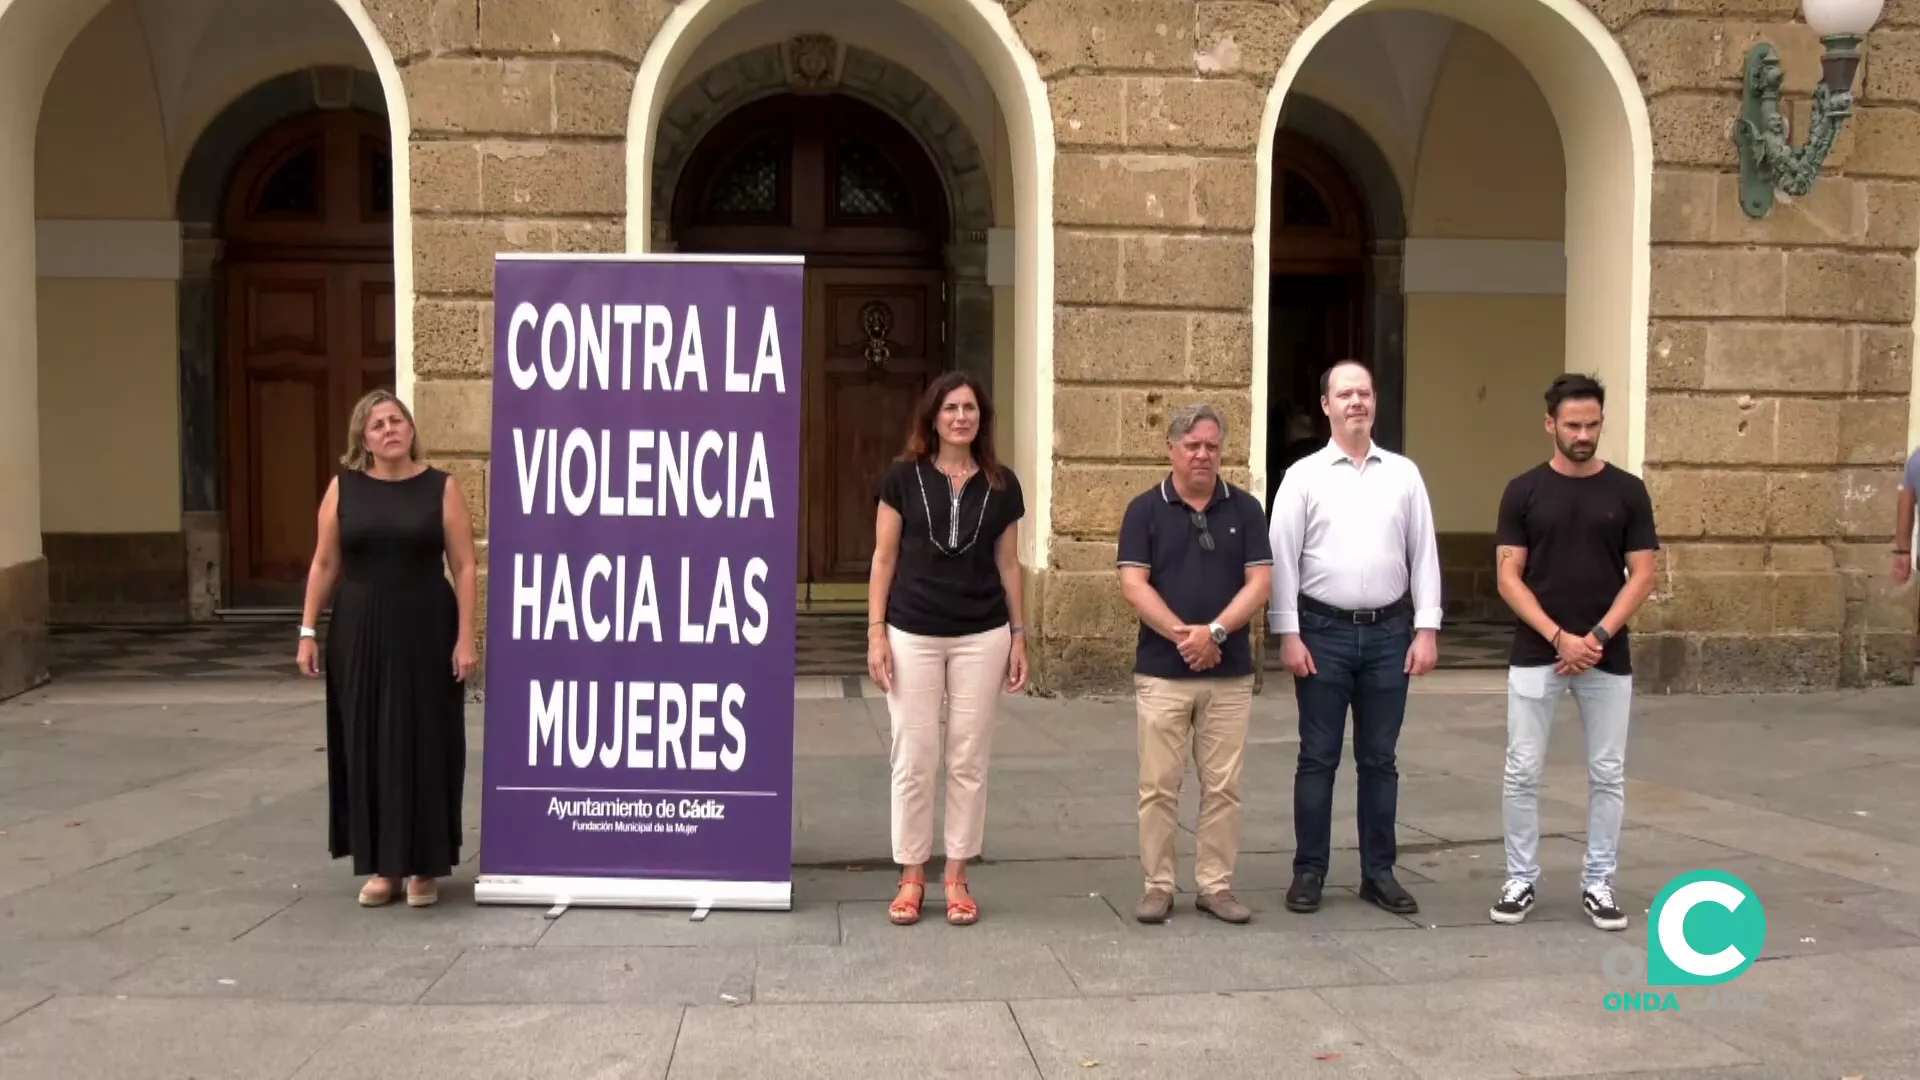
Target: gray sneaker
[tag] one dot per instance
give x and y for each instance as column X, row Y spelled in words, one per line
column 1155, row 907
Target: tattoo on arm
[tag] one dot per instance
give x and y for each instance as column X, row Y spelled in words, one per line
column 1504, row 553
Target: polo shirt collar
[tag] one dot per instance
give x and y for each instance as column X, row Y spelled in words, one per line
column 1333, row 455
column 1173, row 497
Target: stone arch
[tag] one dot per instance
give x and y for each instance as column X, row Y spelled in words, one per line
column 851, row 70
column 818, row 63
column 217, row 146
column 1606, row 136
column 198, row 194
column 982, row 30
column 1384, row 310
column 35, row 36
column 1348, row 141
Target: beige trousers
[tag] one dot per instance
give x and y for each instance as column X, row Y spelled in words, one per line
column 968, row 673
column 1211, row 716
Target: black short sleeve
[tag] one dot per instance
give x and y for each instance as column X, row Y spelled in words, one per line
column 1136, row 533
column 1511, row 528
column 893, row 488
column 1259, row 544
column 1016, row 499
column 1641, row 535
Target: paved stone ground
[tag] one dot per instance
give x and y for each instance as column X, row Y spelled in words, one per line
column 167, row 910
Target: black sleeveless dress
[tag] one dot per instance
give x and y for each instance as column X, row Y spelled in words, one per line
column 396, row 725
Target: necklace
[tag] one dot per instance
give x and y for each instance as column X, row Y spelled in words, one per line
column 952, row 548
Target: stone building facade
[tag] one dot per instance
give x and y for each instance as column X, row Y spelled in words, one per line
column 1118, row 240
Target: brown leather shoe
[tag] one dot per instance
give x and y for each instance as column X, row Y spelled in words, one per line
column 1155, row 907
column 1223, row 905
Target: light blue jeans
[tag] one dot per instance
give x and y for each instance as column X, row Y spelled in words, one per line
column 1605, row 703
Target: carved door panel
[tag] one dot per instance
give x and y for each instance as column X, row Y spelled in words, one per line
column 305, row 341
column 367, row 363
column 875, row 341
column 282, row 329
column 309, row 329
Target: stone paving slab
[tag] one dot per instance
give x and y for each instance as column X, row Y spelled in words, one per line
column 650, row 977
column 1534, row 1026
column 961, row 1040
column 160, row 1037
column 1284, row 1035
column 311, row 973
column 1191, row 965
column 79, row 966
column 1487, row 951
column 1898, row 1067
column 501, row 1042
column 217, row 916
column 811, row 922
column 15, row 1002
column 1825, row 1000
column 167, row 908
column 938, row 963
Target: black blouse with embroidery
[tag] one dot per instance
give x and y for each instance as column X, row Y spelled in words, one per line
column 945, row 583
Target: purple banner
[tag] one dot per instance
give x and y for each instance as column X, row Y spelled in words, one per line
column 642, row 523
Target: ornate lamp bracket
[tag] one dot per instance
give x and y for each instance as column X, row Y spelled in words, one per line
column 1768, row 162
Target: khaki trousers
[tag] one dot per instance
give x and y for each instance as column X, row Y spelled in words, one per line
column 968, row 673
column 1211, row 716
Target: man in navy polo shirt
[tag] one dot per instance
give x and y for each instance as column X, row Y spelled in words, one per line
column 1195, row 564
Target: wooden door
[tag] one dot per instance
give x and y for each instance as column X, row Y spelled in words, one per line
column 306, row 340
column 309, row 330
column 842, row 183
column 874, row 344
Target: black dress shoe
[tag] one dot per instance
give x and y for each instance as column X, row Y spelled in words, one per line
column 1304, row 896
column 1386, row 893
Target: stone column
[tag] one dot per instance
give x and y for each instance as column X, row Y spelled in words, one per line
column 202, row 508
column 501, row 163
column 1386, row 339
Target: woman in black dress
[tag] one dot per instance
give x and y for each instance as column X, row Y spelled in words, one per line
column 400, row 645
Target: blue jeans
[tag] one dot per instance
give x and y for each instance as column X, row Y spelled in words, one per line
column 1605, row 703
column 1362, row 668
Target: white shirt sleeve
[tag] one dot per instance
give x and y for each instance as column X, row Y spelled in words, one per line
column 1423, row 555
column 1287, row 534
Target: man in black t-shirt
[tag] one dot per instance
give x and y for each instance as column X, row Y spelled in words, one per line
column 1576, row 554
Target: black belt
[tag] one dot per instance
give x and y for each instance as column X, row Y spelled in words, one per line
column 1402, row 606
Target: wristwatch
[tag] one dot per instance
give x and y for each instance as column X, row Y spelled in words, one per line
column 1219, row 633
column 1600, row 634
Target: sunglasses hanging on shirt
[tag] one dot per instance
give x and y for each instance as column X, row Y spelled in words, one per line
column 1206, row 533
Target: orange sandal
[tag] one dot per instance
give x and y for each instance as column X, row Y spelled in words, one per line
column 906, row 912
column 961, row 910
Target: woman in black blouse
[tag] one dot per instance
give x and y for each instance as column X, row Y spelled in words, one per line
column 944, row 622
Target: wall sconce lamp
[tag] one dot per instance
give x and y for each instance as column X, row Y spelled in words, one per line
column 1767, row 160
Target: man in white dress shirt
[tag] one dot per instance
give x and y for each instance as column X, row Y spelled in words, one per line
column 1356, row 606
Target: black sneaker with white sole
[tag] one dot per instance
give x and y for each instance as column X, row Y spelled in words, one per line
column 1605, row 914
column 1516, row 899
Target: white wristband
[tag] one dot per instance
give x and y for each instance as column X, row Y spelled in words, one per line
column 307, row 632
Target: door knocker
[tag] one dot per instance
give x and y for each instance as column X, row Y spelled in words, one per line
column 876, row 319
